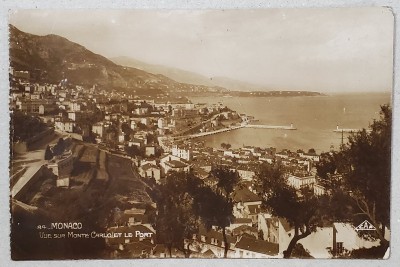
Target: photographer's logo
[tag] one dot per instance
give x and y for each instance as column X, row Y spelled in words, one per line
column 365, row 226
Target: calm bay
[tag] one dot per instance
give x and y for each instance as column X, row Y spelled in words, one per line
column 314, row 117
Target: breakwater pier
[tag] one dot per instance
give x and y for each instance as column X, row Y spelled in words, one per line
column 277, row 127
column 347, row 130
column 243, row 125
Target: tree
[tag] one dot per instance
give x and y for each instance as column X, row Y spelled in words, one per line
column 326, row 165
column 227, row 180
column 176, row 221
column 340, row 206
column 311, row 151
column 300, row 209
column 134, row 150
column 90, row 138
column 48, row 154
column 150, row 138
column 214, row 209
column 365, row 166
column 141, row 126
column 24, row 126
column 126, row 129
column 59, row 147
column 226, row 145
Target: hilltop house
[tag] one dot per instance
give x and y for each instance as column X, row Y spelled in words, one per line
column 149, row 170
column 173, row 163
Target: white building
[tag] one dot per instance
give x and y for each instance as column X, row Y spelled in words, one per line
column 345, row 239
column 133, row 124
column 65, row 125
column 245, row 175
column 150, row 150
column 182, row 153
column 298, row 181
column 74, row 116
column 144, row 121
column 73, row 106
column 246, row 204
column 149, row 170
column 232, row 154
column 173, row 163
column 121, row 138
column 161, row 123
column 319, row 189
column 310, row 156
column 98, row 129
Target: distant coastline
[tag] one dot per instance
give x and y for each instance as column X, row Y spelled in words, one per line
column 274, row 93
column 254, row 94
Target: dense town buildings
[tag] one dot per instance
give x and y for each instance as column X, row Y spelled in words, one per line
column 157, row 138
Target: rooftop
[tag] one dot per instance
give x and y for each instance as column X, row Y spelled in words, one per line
column 241, row 220
column 245, row 195
column 176, row 164
column 257, row 245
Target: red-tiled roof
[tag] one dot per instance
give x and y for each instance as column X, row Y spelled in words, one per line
column 216, row 235
column 176, row 164
column 245, row 195
column 244, row 228
column 257, row 245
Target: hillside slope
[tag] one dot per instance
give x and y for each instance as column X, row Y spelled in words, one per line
column 51, row 58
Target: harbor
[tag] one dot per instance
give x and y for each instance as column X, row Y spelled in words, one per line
column 243, row 125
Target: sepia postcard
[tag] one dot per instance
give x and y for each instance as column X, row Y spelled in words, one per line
column 243, row 133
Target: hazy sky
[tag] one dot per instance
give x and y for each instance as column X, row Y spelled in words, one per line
column 326, row 50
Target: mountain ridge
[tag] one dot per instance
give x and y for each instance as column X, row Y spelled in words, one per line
column 52, row 58
column 185, row 76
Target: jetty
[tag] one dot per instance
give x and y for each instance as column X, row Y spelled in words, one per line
column 347, row 130
column 197, row 135
column 243, row 125
column 278, row 127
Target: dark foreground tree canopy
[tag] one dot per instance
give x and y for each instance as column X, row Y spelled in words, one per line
column 301, row 209
column 362, row 191
column 366, row 165
column 185, row 203
column 25, row 126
